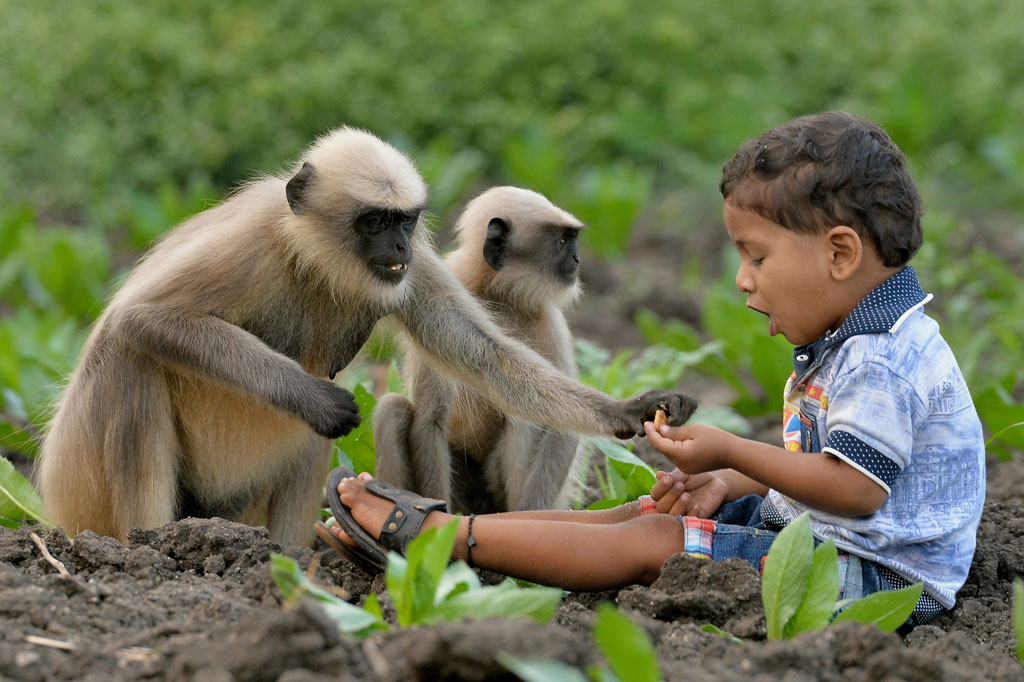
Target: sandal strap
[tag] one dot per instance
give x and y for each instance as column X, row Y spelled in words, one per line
column 406, row 518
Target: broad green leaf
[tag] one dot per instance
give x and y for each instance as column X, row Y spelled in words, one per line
column 413, row 581
column 602, row 673
column 634, row 481
column 815, row 610
column 1018, row 617
column 626, row 646
column 395, row 579
column 540, row 670
column 294, row 585
column 458, row 577
column 357, row 445
column 607, row 503
column 18, row 499
column 888, row 609
column 438, row 553
column 786, row 569
column 499, row 601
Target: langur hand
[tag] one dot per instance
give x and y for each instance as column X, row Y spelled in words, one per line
column 689, row 494
column 635, row 411
column 330, row 410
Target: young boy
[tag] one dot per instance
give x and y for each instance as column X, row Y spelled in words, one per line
column 882, row 444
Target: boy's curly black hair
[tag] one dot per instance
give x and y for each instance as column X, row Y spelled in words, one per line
column 815, row 172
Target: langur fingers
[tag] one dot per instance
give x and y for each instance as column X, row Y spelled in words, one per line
column 644, row 408
column 333, row 411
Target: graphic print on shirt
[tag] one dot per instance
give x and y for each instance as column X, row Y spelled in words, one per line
column 804, row 407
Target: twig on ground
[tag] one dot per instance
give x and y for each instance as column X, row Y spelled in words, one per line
column 378, row 663
column 49, row 557
column 52, row 643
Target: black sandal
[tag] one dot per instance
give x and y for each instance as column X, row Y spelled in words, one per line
column 401, row 526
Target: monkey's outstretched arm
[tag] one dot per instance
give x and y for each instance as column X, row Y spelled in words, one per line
column 209, row 346
column 456, row 333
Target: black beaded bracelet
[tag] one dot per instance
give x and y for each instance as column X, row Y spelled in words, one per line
column 470, row 541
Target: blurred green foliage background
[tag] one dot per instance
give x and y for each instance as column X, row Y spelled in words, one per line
column 120, row 119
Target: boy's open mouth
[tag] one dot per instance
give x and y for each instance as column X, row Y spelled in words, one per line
column 772, row 331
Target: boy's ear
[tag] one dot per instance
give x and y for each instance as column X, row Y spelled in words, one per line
column 846, row 250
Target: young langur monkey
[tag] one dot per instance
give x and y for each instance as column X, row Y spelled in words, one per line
column 517, row 252
column 204, row 387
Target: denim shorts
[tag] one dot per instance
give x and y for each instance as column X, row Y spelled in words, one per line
column 740, row 532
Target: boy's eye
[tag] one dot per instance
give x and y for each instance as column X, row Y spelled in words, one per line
column 756, row 261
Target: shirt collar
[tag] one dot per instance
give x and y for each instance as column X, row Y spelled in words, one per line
column 882, row 310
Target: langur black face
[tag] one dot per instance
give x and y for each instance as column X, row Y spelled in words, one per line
column 552, row 248
column 566, row 255
column 385, row 242
column 383, row 237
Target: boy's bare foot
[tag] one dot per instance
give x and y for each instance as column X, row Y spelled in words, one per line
column 371, row 511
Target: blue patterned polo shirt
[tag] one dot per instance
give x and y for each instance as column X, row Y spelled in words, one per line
column 884, row 394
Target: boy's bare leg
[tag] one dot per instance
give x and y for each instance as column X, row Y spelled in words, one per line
column 550, row 551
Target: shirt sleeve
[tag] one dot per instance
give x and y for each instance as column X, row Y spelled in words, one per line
column 872, row 417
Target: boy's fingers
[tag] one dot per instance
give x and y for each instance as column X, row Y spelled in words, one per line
column 660, row 487
column 669, row 500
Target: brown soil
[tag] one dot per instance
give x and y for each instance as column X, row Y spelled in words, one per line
column 194, row 600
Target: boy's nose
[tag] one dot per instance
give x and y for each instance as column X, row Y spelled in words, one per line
column 744, row 282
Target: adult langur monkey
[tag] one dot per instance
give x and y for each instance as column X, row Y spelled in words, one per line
column 517, row 252
column 202, row 389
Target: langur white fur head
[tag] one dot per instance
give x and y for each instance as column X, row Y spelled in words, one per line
column 343, row 175
column 521, row 281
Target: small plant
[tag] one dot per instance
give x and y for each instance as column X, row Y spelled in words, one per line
column 424, row 589
column 800, row 586
column 627, row 648
column 628, row 373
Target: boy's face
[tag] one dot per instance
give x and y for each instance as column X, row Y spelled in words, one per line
column 784, row 274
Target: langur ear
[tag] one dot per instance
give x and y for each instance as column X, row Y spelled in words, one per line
column 298, row 187
column 496, row 242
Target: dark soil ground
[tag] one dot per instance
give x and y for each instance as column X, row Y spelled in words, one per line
column 195, row 601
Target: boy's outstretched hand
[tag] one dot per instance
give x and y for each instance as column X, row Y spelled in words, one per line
column 694, row 448
column 690, row 495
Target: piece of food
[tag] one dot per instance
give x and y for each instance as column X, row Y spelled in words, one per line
column 660, row 418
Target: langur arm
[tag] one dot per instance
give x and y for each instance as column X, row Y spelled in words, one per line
column 461, row 341
column 209, row 346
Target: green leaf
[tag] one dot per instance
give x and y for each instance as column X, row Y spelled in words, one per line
column 629, row 477
column 18, row 499
column 458, row 577
column 786, row 569
column 413, row 580
column 715, row 630
column 815, row 610
column 499, row 601
column 357, row 445
column 540, row 670
column 1018, row 617
column 294, row 585
column 888, row 609
column 626, row 646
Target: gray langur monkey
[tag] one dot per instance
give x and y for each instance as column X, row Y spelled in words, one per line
column 203, row 388
column 517, row 252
